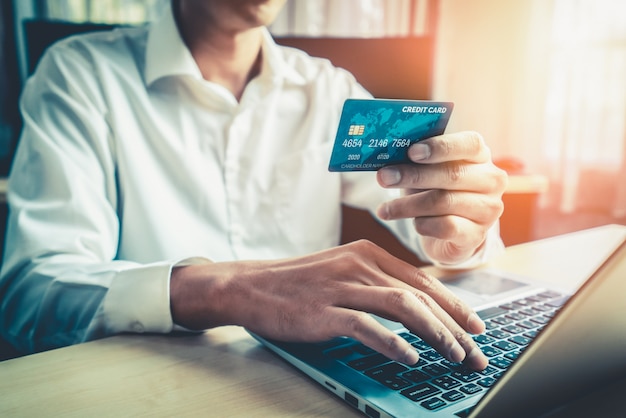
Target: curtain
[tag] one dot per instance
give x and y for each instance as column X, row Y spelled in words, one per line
column 354, row 18
column 544, row 81
column 100, row 11
column 585, row 106
column 345, row 18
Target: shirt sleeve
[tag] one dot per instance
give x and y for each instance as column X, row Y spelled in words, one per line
column 60, row 282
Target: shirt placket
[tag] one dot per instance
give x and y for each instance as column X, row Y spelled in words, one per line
column 236, row 134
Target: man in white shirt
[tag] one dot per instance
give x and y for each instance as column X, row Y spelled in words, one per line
column 175, row 176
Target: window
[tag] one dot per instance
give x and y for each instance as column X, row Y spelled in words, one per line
column 585, row 104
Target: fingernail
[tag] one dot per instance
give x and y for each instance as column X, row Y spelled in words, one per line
column 389, row 176
column 411, row 357
column 383, row 211
column 476, row 359
column 418, row 152
column 475, row 324
column 457, row 354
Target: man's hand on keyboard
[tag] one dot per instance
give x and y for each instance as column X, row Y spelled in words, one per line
column 329, row 294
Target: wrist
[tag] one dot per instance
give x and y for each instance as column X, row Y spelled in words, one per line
column 197, row 297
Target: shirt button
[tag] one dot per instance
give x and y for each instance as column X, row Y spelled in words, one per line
column 137, row 326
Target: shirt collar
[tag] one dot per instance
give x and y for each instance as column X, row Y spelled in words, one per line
column 167, row 55
column 166, row 52
column 275, row 64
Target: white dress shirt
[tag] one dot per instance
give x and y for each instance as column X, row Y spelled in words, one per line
column 130, row 162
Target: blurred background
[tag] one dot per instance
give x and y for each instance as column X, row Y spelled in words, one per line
column 544, row 81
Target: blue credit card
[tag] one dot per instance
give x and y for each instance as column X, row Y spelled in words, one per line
column 373, row 133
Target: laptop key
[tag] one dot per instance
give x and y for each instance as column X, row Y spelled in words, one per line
column 421, row 345
column 490, row 351
column 557, row 303
column 543, row 308
column 451, row 365
column 408, row 337
column 522, row 303
column 394, row 382
column 542, row 320
column 491, row 312
column 453, row 396
column 502, row 320
column 416, row 376
column 508, row 306
column 433, row 403
column 537, row 298
column 531, row 334
column 491, row 325
column 471, row 388
column 389, row 369
column 505, row 346
column 527, row 324
column 500, row 362
column 498, row 334
column 488, row 370
column 520, row 340
column 516, row 316
column 421, row 362
column 340, row 353
column 431, row 355
column 483, row 339
column 446, row 382
column 486, row 382
column 465, row 375
column 368, row 362
column 419, row 392
column 530, row 312
column 435, row 369
column 513, row 329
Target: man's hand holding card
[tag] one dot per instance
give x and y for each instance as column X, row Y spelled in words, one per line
column 453, row 191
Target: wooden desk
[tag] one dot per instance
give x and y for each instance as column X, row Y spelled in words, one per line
column 224, row 372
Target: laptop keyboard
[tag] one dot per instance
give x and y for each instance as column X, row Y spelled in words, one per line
column 435, row 382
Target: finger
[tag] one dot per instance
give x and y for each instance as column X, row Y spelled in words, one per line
column 385, row 270
column 474, row 357
column 479, row 208
column 450, row 228
column 480, row 178
column 417, row 279
column 468, row 146
column 363, row 327
column 452, row 248
column 422, row 315
column 395, row 273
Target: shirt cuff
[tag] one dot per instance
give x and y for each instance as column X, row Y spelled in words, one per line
column 138, row 299
column 492, row 247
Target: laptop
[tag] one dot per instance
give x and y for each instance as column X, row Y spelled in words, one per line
column 545, row 348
